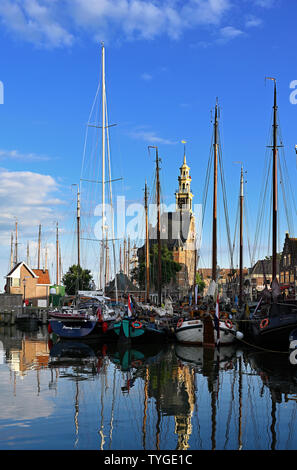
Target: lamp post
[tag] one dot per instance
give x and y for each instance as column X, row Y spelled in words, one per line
column 24, row 284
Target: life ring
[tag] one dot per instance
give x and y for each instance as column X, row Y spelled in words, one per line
column 180, row 322
column 264, row 323
column 228, row 323
column 137, row 324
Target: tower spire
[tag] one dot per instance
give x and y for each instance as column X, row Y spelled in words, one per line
column 184, row 194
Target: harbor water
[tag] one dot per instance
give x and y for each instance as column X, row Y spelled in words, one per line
column 95, row 396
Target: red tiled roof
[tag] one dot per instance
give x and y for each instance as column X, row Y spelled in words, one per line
column 43, row 276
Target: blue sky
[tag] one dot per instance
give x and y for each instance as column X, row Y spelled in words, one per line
column 166, row 62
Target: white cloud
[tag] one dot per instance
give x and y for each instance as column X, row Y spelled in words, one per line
column 150, row 137
column 28, row 197
column 252, row 21
column 146, row 76
column 56, row 23
column 16, row 155
column 228, row 33
column 33, row 21
column 265, row 3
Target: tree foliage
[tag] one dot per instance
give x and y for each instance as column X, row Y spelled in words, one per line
column 169, row 267
column 76, row 279
column 200, row 283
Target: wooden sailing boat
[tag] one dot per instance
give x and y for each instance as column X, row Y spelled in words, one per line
column 207, row 331
column 273, row 320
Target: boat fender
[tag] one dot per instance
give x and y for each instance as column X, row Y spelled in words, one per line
column 104, row 327
column 229, row 323
column 137, row 324
column 49, row 328
column 180, row 322
column 264, row 323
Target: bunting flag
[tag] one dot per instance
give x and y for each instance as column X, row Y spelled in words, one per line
column 217, row 320
column 129, row 306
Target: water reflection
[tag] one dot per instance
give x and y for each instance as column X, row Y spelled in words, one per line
column 90, row 395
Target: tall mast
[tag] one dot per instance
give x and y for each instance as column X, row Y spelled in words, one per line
column 103, row 158
column 215, row 190
column 16, row 243
column 147, row 256
column 274, row 214
column 57, row 255
column 241, row 240
column 39, row 245
column 78, row 226
column 158, row 226
column 28, row 254
column 11, row 251
column 128, row 258
column 45, row 258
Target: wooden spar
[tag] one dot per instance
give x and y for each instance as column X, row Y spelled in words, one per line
column 28, row 256
column 45, row 258
column 241, row 241
column 158, row 230
column 215, row 176
column 158, row 226
column 147, row 256
column 16, row 243
column 274, row 214
column 11, row 251
column 39, row 246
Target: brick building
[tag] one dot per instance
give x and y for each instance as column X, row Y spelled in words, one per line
column 32, row 284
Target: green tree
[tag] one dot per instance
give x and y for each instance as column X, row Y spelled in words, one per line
column 169, row 268
column 200, row 283
column 76, row 279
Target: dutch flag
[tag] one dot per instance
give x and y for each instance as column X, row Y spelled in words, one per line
column 129, row 306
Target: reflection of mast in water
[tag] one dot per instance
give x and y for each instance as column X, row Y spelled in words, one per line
column 145, row 407
column 76, row 412
column 240, row 405
column 183, row 426
column 211, row 370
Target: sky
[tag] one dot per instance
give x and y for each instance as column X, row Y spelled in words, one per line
column 166, row 64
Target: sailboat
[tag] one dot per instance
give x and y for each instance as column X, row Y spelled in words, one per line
column 89, row 314
column 211, row 329
column 273, row 320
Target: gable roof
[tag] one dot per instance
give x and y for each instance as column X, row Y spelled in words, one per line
column 290, row 246
column 43, row 276
column 264, row 266
column 17, row 266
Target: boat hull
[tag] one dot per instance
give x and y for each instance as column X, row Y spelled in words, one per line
column 192, row 332
column 72, row 329
column 273, row 331
column 128, row 329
